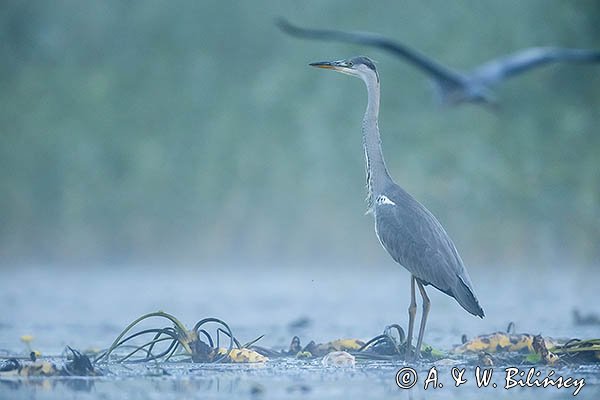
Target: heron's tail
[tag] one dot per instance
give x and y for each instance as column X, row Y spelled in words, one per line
column 466, row 298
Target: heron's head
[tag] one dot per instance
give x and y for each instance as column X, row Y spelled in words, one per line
column 362, row 67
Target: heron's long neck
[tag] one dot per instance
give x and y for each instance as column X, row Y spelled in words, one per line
column 377, row 174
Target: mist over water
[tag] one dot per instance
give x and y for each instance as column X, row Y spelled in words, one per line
column 88, row 309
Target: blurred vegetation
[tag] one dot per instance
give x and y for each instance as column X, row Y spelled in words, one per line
column 193, row 131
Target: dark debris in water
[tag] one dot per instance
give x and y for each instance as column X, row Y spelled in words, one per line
column 77, row 364
column 580, row 351
column 299, row 323
column 587, row 319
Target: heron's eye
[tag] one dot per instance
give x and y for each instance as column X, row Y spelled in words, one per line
column 349, row 64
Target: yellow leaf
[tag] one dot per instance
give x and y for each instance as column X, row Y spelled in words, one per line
column 347, row 344
column 27, row 338
column 498, row 342
column 243, row 355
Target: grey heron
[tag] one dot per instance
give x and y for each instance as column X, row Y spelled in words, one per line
column 452, row 86
column 407, row 230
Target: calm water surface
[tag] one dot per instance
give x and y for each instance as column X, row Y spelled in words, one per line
column 88, row 308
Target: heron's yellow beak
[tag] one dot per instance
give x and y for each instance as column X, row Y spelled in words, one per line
column 324, row 64
column 343, row 66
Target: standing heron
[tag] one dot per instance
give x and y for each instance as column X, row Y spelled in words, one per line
column 454, row 87
column 406, row 229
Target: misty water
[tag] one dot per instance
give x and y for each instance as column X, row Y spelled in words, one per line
column 87, row 308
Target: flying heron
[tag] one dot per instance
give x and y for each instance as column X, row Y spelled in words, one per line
column 407, row 230
column 454, row 87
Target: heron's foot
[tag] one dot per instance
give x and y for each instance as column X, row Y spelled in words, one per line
column 410, row 353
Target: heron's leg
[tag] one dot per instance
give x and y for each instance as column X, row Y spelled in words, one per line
column 426, row 304
column 412, row 311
